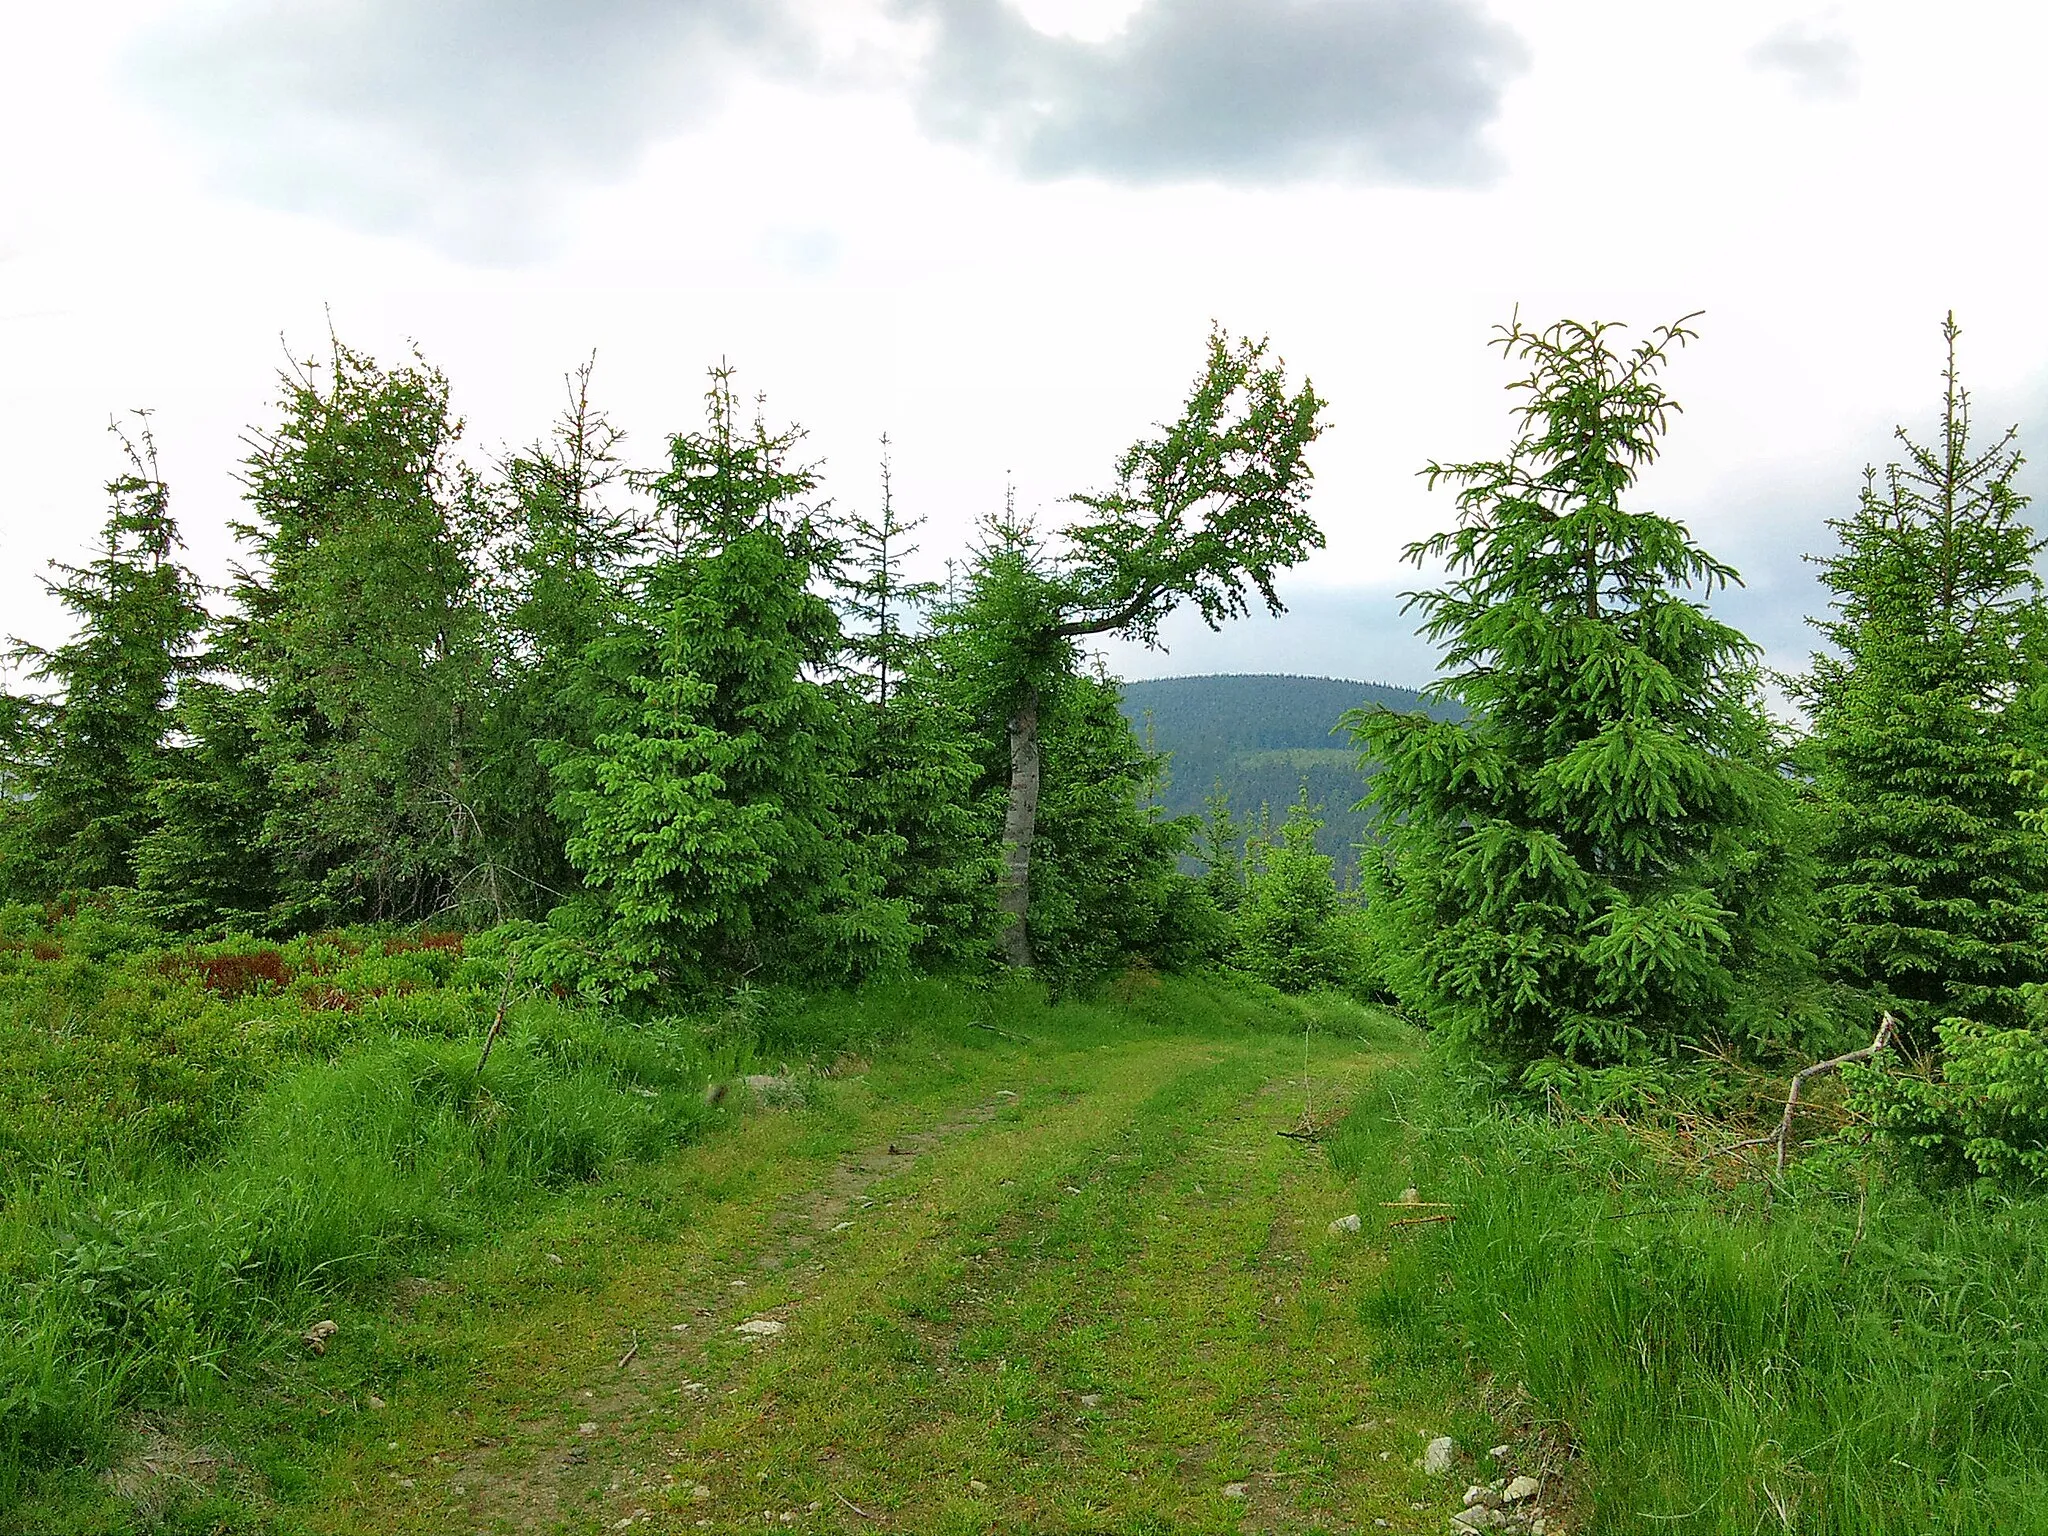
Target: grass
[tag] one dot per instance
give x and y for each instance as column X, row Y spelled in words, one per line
column 1040, row 1268
column 1835, row 1354
column 994, row 1228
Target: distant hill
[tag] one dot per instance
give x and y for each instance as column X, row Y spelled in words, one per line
column 1261, row 737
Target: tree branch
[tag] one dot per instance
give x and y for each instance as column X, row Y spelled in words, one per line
column 1887, row 1029
column 1073, row 629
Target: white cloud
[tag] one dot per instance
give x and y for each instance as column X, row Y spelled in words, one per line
column 473, row 123
column 1817, row 60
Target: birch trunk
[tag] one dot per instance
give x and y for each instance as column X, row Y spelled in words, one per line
column 1020, row 825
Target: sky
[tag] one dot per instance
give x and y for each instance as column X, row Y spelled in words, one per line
column 999, row 231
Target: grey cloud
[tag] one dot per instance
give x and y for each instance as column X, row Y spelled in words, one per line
column 1819, row 63
column 1225, row 90
column 455, row 119
column 464, row 121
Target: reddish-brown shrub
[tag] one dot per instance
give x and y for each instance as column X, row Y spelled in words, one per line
column 233, row 975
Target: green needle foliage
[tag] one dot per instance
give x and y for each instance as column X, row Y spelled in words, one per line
column 1218, row 845
column 1596, row 862
column 913, row 787
column 80, row 800
column 359, row 627
column 1295, row 929
column 707, row 813
column 562, row 548
column 202, row 867
column 1926, row 763
column 1106, row 888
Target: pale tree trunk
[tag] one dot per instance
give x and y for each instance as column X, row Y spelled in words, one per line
column 1020, row 825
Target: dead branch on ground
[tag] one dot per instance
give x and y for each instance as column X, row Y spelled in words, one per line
column 1887, row 1030
column 498, row 1018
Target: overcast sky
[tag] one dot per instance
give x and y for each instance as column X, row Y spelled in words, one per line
column 999, row 229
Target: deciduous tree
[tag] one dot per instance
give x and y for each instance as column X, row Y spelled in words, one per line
column 1205, row 514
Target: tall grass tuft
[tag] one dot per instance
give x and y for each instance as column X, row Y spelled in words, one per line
column 140, row 1286
column 1841, row 1354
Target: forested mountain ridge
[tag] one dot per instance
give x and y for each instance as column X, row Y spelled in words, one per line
column 1260, row 737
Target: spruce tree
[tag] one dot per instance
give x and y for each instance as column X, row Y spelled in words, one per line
column 563, row 543
column 883, row 605
column 911, row 791
column 83, row 800
column 203, row 864
column 1290, row 928
column 1106, row 883
column 23, row 718
column 1597, row 861
column 1927, row 767
column 1219, row 847
column 1934, row 880
column 359, row 626
column 705, row 814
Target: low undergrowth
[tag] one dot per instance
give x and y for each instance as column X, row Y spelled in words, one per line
column 152, row 1284
column 207, row 1149
column 1836, row 1352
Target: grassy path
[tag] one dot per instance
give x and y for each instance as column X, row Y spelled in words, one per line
column 1066, row 1286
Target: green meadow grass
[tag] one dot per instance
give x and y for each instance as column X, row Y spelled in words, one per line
column 206, row 1150
column 1838, row 1353
column 210, row 1149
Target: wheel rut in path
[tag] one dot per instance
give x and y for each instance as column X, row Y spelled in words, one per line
column 1092, row 1292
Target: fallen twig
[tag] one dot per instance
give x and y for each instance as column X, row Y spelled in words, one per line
column 1887, row 1028
column 627, row 1358
column 498, row 1018
column 1416, row 1205
column 1420, row 1221
column 1020, row 1039
column 842, row 1498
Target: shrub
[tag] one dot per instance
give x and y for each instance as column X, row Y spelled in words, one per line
column 1981, row 1110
